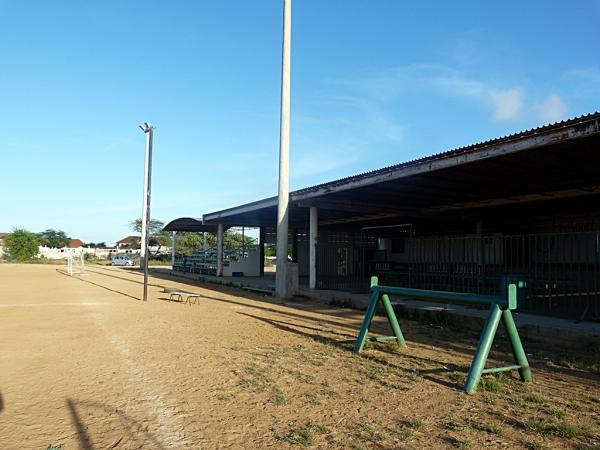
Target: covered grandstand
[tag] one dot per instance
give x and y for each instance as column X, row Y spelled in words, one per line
column 526, row 204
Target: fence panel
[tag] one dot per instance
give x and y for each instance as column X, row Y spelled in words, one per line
column 561, row 269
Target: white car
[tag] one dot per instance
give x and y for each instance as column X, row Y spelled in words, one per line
column 120, row 260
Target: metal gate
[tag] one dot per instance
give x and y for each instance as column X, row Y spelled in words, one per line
column 341, row 261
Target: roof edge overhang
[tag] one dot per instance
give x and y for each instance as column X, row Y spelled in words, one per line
column 236, row 210
column 549, row 135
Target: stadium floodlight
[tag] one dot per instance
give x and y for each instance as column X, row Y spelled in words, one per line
column 148, row 129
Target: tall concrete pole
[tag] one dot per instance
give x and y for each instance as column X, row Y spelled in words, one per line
column 281, row 285
column 148, row 129
column 312, row 248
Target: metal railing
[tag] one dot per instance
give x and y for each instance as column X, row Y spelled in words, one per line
column 562, row 270
column 205, row 261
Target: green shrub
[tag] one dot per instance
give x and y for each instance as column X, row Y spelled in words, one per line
column 21, row 245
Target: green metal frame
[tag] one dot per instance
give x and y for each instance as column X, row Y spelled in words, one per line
column 500, row 310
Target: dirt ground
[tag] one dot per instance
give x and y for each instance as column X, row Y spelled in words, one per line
column 85, row 364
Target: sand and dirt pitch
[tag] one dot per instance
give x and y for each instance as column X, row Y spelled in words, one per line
column 85, row 364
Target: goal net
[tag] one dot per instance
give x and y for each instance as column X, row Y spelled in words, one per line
column 75, row 262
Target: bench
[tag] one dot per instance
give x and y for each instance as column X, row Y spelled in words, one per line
column 179, row 296
column 500, row 306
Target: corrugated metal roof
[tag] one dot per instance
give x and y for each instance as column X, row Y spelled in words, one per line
column 458, row 151
column 429, row 161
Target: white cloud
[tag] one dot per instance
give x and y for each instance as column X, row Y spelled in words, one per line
column 552, row 109
column 507, row 105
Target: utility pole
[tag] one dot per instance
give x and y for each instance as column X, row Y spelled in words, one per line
column 148, row 129
column 281, row 282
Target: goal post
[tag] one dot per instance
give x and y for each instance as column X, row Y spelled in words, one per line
column 75, row 262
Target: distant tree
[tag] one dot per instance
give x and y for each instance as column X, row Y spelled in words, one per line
column 156, row 233
column 233, row 238
column 21, row 245
column 54, row 238
column 188, row 242
column 155, row 227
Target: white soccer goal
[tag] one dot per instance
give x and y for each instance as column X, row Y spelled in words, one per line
column 75, row 262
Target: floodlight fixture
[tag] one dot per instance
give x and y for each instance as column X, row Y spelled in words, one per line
column 146, row 127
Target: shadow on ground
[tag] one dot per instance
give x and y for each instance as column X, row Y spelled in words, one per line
column 129, row 429
column 443, row 338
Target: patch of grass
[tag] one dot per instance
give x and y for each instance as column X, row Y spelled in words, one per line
column 56, row 447
column 278, row 398
column 255, row 377
column 376, row 373
column 312, row 399
column 460, row 441
column 453, row 426
column 563, row 430
column 414, row 376
column 537, row 399
column 304, row 435
column 415, row 424
column 490, row 400
column 488, row 428
column 584, row 362
column 575, row 406
column 327, row 391
column 368, row 432
column 458, row 377
column 568, row 430
column 517, row 400
column 489, row 384
column 405, row 434
column 301, row 376
column 535, row 445
column 585, row 447
column 536, row 424
column 556, row 412
column 493, row 383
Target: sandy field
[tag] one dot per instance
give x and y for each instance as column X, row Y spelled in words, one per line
column 85, row 364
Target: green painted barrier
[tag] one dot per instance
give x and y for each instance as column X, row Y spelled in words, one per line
column 500, row 310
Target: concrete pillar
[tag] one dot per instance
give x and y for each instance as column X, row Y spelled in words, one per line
column 312, row 248
column 220, row 250
column 204, row 241
column 173, row 245
column 261, row 249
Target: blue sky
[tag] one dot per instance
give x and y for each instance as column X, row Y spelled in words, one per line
column 373, row 83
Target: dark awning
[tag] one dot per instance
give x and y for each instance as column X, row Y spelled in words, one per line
column 190, row 224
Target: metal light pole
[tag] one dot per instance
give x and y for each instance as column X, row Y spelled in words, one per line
column 281, row 282
column 148, row 129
